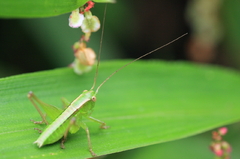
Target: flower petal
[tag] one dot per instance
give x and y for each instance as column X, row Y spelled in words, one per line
column 76, row 19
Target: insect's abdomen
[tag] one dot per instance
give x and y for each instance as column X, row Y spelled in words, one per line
column 56, row 129
column 57, row 134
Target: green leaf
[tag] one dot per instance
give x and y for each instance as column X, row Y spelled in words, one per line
column 196, row 147
column 145, row 104
column 39, row 8
column 105, row 1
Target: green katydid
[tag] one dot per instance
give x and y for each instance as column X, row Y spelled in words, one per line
column 70, row 119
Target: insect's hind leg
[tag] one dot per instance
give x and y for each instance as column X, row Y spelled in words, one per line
column 31, row 96
column 39, row 130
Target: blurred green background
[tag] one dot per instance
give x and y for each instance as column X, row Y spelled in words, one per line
column 131, row 29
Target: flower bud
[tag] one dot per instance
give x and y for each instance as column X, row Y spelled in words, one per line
column 222, row 131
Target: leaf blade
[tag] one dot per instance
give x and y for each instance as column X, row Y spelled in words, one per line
column 39, row 8
column 145, row 104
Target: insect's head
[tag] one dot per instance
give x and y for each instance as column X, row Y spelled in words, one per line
column 91, row 94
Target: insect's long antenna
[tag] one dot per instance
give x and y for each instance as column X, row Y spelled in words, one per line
column 100, row 48
column 139, row 58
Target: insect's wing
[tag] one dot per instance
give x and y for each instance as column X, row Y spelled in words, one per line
column 51, row 111
column 65, row 102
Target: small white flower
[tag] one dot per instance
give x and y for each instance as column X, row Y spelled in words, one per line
column 91, row 24
column 76, row 19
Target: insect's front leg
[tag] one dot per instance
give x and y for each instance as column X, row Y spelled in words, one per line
column 84, row 126
column 103, row 124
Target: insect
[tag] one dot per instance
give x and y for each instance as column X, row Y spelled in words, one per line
column 70, row 119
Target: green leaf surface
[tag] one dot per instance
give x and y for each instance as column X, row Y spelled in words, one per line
column 144, row 104
column 40, row 8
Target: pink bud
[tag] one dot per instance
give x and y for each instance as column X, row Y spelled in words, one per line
column 222, row 131
column 219, row 152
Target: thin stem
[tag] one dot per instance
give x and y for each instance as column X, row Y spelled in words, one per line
column 100, row 47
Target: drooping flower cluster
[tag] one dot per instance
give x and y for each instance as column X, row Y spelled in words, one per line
column 219, row 147
column 83, row 18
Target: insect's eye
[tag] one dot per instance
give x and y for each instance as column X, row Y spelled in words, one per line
column 94, row 98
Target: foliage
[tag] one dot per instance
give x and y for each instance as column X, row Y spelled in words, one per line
column 146, row 103
column 39, row 8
